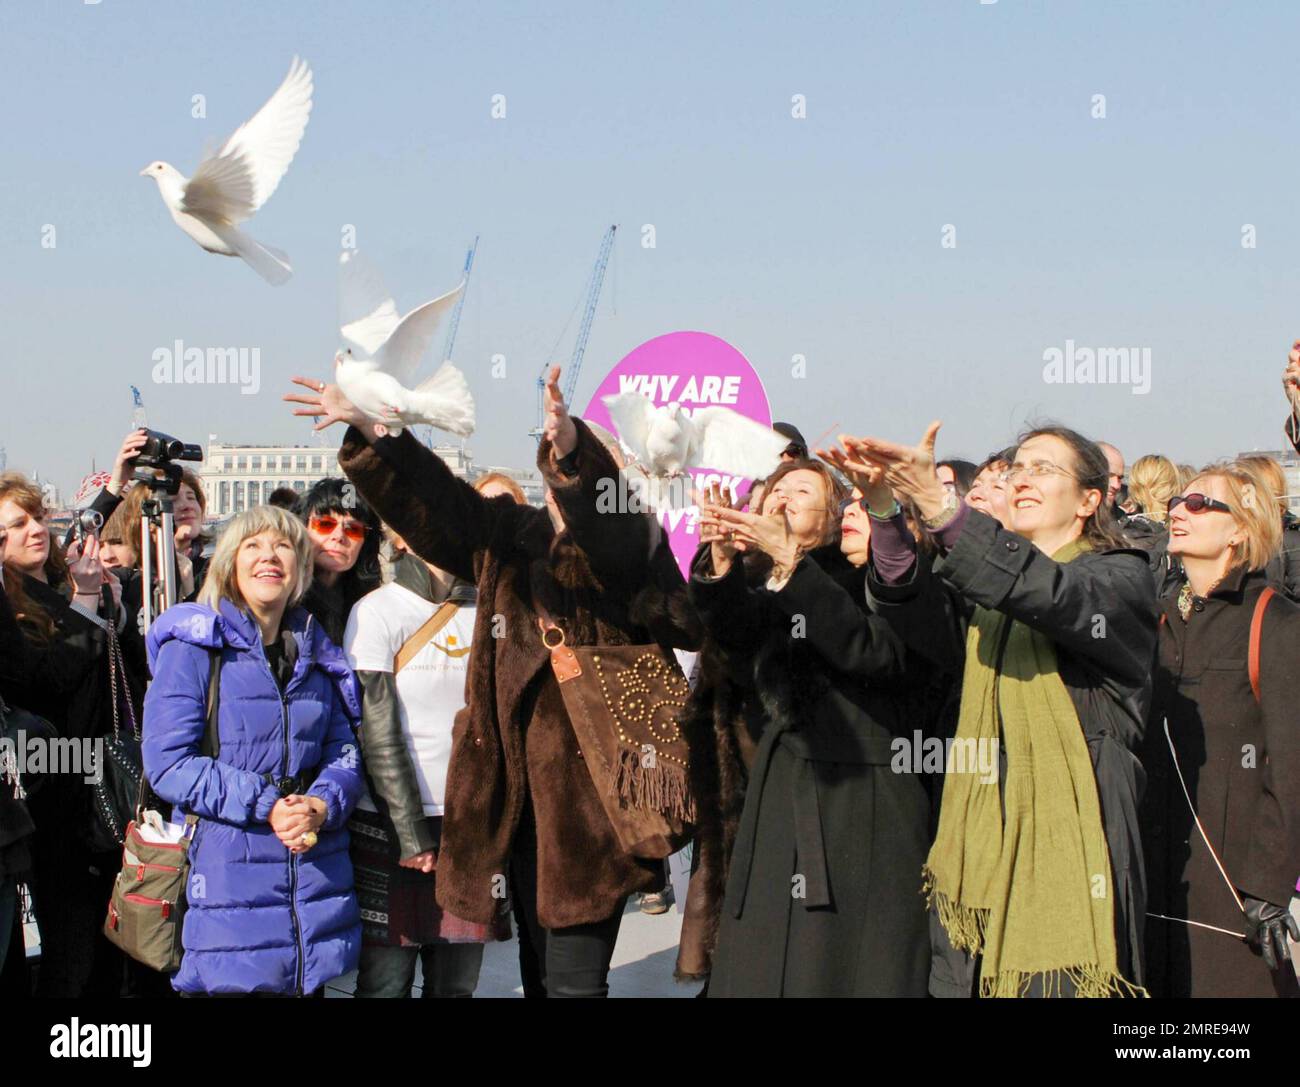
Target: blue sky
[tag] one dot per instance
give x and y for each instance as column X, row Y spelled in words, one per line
column 818, row 237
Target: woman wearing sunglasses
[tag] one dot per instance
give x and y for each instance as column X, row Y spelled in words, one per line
column 1232, row 744
column 1034, row 880
column 801, row 688
column 345, row 540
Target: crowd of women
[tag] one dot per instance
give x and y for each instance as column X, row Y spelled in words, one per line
column 1015, row 728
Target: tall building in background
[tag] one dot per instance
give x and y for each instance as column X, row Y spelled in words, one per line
column 238, row 477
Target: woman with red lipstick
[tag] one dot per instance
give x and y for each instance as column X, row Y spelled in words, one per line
column 1229, row 653
column 1051, row 624
column 345, row 540
column 821, row 857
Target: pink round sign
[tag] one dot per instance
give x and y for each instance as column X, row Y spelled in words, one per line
column 696, row 370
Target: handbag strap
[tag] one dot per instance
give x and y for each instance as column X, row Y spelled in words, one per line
column 1256, row 634
column 422, row 637
column 564, row 661
column 210, row 744
column 119, row 686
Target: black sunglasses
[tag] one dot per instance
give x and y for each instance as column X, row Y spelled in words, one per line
column 1198, row 502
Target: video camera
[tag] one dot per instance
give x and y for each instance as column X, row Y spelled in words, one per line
column 156, row 468
column 158, row 454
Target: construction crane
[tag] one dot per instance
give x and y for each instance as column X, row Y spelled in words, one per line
column 570, row 376
column 460, row 302
column 453, row 327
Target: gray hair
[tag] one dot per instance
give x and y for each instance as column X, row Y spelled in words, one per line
column 221, row 584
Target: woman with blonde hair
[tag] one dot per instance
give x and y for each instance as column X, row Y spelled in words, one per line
column 1284, row 567
column 1152, row 482
column 278, row 914
column 1220, row 815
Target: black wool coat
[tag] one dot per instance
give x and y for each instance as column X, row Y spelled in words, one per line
column 823, row 880
column 1241, row 762
column 1100, row 613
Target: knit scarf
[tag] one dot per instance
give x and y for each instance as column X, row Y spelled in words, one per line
column 1031, row 891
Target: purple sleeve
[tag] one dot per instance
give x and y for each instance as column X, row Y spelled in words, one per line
column 893, row 550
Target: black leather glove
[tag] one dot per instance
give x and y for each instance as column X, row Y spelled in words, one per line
column 1267, row 927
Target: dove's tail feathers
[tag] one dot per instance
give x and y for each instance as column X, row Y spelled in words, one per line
column 444, row 401
column 270, row 264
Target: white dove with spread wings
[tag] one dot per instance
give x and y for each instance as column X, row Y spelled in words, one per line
column 667, row 441
column 378, row 366
column 232, row 183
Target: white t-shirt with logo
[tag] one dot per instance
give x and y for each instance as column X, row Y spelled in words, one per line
column 430, row 689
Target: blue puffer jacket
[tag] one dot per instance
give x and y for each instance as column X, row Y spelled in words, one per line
column 260, row 919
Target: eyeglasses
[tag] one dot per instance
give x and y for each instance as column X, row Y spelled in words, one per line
column 325, row 525
column 845, row 503
column 1037, row 470
column 1196, row 503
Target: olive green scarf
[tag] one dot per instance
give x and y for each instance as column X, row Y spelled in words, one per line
column 1031, row 893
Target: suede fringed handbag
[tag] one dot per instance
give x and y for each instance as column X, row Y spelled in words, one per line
column 623, row 702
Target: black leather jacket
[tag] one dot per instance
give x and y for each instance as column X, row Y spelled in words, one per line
column 390, row 773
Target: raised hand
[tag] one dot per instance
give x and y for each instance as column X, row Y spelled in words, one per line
column 868, row 478
column 86, row 570
column 909, row 470
column 768, row 532
column 1291, row 376
column 124, row 465
column 330, row 405
column 722, row 545
column 557, row 427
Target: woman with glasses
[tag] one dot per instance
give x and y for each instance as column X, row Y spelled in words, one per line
column 801, row 688
column 1034, row 880
column 345, row 540
column 1223, row 797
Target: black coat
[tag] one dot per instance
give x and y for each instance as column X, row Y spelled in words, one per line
column 1100, row 612
column 1241, row 763
column 823, row 890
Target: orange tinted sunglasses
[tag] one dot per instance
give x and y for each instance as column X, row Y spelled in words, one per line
column 325, row 525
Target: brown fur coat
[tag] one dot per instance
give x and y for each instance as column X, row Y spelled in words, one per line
column 608, row 579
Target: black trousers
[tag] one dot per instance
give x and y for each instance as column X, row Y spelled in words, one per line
column 572, row 962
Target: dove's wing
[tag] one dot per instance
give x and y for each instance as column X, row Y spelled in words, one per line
column 728, row 441
column 221, row 191
column 401, row 353
column 631, row 413
column 367, row 313
column 238, row 179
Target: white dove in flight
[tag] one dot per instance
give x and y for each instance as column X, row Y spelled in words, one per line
column 667, row 441
column 232, row 183
column 376, row 368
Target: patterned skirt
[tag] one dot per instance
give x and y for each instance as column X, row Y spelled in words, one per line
column 398, row 908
